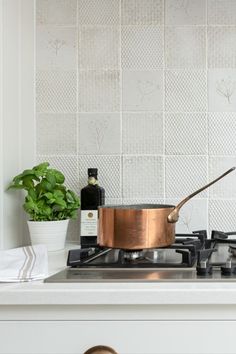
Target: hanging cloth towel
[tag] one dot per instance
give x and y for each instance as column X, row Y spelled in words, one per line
column 24, row 264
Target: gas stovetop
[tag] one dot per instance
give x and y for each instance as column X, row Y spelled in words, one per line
column 193, row 257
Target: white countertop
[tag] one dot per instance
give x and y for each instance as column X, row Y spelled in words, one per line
column 39, row 293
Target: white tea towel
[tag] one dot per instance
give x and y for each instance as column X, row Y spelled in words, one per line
column 24, row 264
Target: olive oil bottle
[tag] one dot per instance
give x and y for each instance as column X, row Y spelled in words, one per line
column 92, row 196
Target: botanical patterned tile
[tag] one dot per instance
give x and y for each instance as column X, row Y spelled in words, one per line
column 142, row 133
column 222, row 215
column 222, row 90
column 186, row 134
column 56, row 12
column 56, row 48
column 185, row 47
column 56, row 91
column 68, row 165
column 222, row 128
column 99, row 47
column 142, row 177
column 185, row 90
column 142, row 12
column 185, row 12
column 109, row 173
column 184, row 175
column 99, row 91
column 142, row 47
column 142, row 90
column 192, row 216
column 226, row 188
column 99, row 133
column 56, row 134
column 221, row 12
column 98, row 12
column 222, row 47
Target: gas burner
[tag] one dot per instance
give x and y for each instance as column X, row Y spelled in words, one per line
column 232, row 250
column 193, row 258
column 218, row 255
column 225, row 237
column 189, row 250
column 132, row 255
column 182, row 254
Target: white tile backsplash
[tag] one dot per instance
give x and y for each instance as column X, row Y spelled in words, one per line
column 134, row 201
column 99, row 91
column 222, row 214
column 109, row 172
column 142, row 133
column 56, row 91
column 64, row 137
column 142, row 47
column 222, row 90
column 144, row 90
column 184, row 175
column 222, row 128
column 98, row 12
column 56, row 12
column 185, row 134
column 100, row 132
column 142, row 12
column 221, row 47
column 185, row 12
column 56, row 48
column 221, row 12
column 99, row 47
column 185, row 47
column 68, row 165
column 143, row 177
column 192, row 216
column 226, row 188
column 185, row 91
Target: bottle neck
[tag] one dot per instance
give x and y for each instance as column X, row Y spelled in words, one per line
column 92, row 181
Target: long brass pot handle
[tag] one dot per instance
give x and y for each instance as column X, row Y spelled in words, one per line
column 100, row 349
column 174, row 215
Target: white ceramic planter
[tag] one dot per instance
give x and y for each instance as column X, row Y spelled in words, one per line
column 50, row 233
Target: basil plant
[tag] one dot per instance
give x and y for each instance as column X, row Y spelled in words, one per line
column 47, row 198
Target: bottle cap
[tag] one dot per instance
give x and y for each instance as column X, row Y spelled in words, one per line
column 92, row 172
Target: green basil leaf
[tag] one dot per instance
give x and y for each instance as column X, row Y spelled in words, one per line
column 60, row 178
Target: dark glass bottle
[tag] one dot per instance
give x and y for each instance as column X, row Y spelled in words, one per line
column 92, row 196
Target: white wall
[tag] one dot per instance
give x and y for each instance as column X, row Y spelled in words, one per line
column 17, row 113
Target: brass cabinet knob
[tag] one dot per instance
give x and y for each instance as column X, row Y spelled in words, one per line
column 100, row 349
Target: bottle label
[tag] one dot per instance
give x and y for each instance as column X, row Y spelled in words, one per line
column 92, row 180
column 89, row 223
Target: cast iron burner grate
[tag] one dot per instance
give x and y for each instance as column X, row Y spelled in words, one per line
column 183, row 253
column 219, row 241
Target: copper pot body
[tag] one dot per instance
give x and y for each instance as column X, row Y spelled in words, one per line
column 134, row 227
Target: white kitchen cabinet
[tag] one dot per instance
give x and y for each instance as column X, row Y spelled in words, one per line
column 126, row 337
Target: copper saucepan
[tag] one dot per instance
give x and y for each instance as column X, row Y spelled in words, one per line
column 134, row 227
